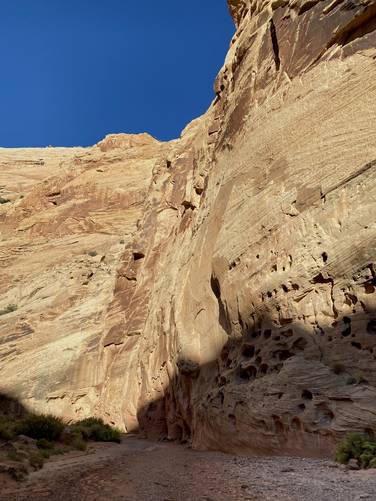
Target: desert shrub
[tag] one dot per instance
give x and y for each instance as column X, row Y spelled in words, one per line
column 15, row 456
column 357, row 446
column 7, row 431
column 96, row 429
column 44, row 426
column 8, row 309
column 78, row 442
column 43, row 443
column 36, row 460
column 58, row 451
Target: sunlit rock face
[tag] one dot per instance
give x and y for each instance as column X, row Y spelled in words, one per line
column 219, row 288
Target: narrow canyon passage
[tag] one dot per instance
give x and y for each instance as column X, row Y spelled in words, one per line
column 140, row 470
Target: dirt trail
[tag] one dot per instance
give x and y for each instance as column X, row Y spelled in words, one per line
column 139, row 470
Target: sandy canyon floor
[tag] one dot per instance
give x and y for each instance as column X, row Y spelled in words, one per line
column 139, row 470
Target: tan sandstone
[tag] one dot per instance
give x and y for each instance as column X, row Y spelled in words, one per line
column 219, row 288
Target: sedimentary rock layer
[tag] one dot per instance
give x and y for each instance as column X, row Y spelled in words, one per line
column 231, row 300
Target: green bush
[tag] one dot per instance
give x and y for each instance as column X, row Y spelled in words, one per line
column 43, row 443
column 15, row 456
column 96, row 429
column 6, row 429
column 44, row 426
column 357, row 446
column 78, row 442
column 36, row 460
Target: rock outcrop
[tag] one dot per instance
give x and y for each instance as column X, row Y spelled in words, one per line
column 219, row 288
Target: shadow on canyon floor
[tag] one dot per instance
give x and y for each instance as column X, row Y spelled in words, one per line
column 278, row 387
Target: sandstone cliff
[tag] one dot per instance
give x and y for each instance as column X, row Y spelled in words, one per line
column 219, row 288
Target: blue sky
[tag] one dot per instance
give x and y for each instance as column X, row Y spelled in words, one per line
column 75, row 70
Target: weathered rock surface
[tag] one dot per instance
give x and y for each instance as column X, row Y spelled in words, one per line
column 240, row 310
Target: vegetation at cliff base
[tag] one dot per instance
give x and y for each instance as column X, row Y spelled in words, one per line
column 32, row 438
column 44, row 426
column 95, row 429
column 359, row 447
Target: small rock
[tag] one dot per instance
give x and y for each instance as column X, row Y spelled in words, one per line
column 353, row 464
column 26, row 440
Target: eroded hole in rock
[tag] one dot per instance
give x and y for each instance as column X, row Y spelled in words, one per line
column 288, row 333
column 247, row 372
column 351, row 299
column 301, row 407
column 285, row 321
column 264, row 368
column 283, row 354
column 338, row 369
column 296, row 424
column 320, row 279
column 324, row 256
column 371, row 327
column 369, row 288
column 285, row 288
column 223, row 317
column 258, row 360
column 278, row 424
column 295, row 287
column 347, row 322
column 299, row 344
column 232, row 419
column 267, row 333
column 216, row 288
column 138, row 255
column 324, row 414
column 248, row 351
column 356, row 345
column 307, row 395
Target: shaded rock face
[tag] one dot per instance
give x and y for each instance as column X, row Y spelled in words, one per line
column 239, row 310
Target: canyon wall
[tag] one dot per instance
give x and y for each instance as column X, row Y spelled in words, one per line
column 219, row 288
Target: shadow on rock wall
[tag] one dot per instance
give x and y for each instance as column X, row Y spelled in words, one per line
column 10, row 406
column 275, row 389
